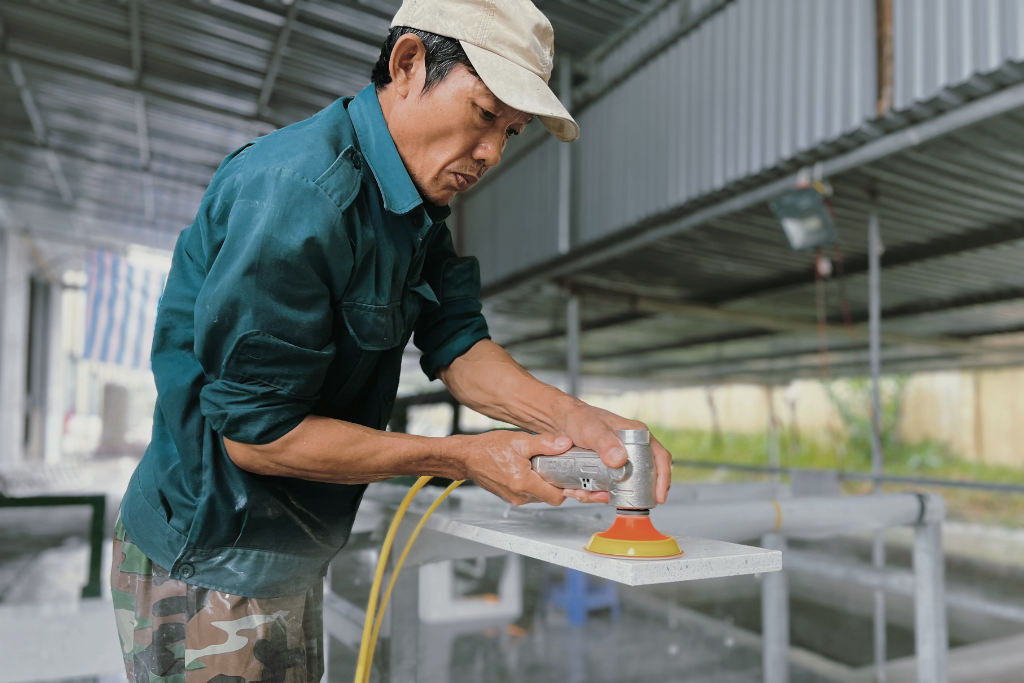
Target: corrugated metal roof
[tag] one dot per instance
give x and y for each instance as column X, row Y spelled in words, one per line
column 185, row 80
column 686, row 276
column 952, row 219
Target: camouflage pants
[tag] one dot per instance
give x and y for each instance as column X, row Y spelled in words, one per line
column 174, row 632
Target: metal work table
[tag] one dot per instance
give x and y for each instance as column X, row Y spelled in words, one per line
column 475, row 524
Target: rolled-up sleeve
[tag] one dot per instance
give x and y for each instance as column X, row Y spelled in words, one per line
column 445, row 332
column 263, row 318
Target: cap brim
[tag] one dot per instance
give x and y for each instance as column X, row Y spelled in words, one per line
column 522, row 89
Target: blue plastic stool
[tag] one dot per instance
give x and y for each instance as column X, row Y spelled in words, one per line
column 579, row 596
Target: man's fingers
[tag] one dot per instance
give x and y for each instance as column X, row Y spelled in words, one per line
column 611, row 450
column 586, row 496
column 548, row 444
column 663, row 463
column 534, row 486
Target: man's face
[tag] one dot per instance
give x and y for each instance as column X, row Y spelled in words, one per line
column 449, row 136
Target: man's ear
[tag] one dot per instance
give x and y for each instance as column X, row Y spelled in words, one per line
column 407, row 65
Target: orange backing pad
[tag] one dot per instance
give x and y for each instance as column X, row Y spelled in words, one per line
column 634, row 537
column 635, row 557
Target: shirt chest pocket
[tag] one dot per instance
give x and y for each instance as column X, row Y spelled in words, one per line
column 362, row 333
column 374, row 328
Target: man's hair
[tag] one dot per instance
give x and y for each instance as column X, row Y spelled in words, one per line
column 442, row 55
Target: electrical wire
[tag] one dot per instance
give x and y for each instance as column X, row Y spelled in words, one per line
column 375, row 614
column 394, row 575
column 821, row 313
column 378, row 577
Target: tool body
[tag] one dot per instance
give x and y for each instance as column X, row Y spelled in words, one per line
column 631, row 489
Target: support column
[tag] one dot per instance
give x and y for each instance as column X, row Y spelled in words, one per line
column 775, row 616
column 572, row 306
column 565, row 162
column 572, row 343
column 14, row 302
column 38, row 368
column 877, row 456
column 55, row 392
column 931, row 635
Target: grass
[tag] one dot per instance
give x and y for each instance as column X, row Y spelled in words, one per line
column 854, row 454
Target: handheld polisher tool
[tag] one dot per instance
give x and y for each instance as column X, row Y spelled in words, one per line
column 630, row 489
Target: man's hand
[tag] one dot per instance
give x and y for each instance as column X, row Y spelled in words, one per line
column 499, row 461
column 595, row 428
column 489, row 381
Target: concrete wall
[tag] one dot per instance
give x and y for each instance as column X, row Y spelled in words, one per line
column 802, row 406
column 978, row 414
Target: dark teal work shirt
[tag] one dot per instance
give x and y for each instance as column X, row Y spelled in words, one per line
column 311, row 262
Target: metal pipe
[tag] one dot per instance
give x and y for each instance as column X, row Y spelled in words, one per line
column 875, row 338
column 898, row 581
column 879, row 622
column 931, row 636
column 565, row 162
column 860, row 476
column 775, row 616
column 877, row 456
column 736, row 521
column 572, row 343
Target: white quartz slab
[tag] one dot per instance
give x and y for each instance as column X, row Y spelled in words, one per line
column 558, row 537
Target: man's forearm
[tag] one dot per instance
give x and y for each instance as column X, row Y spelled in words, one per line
column 487, row 380
column 323, row 449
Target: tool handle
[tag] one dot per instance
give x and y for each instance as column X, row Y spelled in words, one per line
column 629, row 486
column 577, row 468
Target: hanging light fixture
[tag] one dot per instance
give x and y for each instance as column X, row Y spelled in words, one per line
column 805, row 218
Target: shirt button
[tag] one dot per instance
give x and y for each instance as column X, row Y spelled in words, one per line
column 187, row 571
column 417, row 221
column 357, row 162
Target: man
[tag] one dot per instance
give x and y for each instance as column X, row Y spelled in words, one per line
column 317, row 251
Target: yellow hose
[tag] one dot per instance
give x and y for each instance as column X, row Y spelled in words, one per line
column 378, row 576
column 374, row 615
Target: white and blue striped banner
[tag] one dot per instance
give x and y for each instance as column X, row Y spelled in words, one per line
column 120, row 310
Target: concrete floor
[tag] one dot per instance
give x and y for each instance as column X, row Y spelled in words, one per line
column 694, row 632
column 648, row 643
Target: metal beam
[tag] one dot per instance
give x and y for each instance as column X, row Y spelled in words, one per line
column 63, row 225
column 105, row 166
column 142, row 131
column 896, row 256
column 276, row 57
column 119, row 77
column 141, row 120
column 352, row 19
column 783, row 368
column 141, row 124
column 39, row 130
column 783, row 324
column 135, row 40
column 591, row 326
column 351, row 47
column 893, row 313
column 99, row 214
column 686, row 217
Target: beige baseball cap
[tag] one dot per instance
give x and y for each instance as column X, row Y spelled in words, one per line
column 511, row 45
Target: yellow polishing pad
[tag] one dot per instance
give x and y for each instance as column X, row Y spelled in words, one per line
column 633, row 536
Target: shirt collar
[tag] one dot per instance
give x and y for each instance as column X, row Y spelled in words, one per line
column 375, row 143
